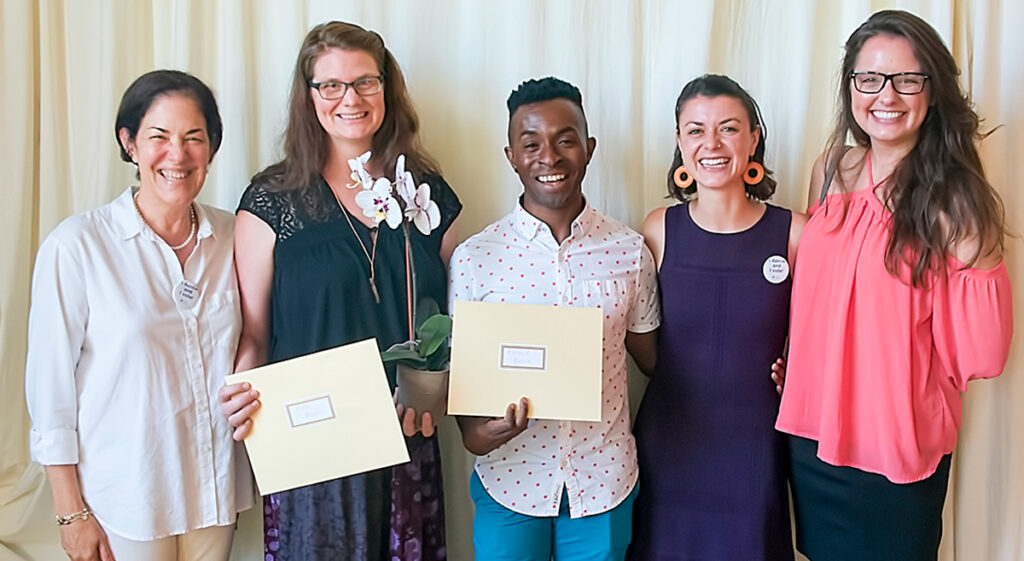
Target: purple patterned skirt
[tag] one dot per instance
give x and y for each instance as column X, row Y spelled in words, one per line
column 395, row 514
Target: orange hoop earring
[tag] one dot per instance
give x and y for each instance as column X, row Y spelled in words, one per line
column 682, row 178
column 754, row 173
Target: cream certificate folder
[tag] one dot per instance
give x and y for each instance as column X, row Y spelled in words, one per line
column 549, row 354
column 322, row 416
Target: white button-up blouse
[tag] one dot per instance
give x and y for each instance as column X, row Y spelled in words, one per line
column 126, row 353
column 601, row 264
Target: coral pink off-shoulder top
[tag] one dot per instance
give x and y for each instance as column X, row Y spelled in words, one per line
column 876, row 366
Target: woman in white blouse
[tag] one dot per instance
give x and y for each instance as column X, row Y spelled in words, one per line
column 133, row 326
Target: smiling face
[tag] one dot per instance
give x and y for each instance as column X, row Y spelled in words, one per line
column 171, row 148
column 716, row 140
column 549, row 151
column 352, row 119
column 887, row 117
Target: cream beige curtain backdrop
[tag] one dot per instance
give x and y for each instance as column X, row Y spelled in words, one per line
column 65, row 63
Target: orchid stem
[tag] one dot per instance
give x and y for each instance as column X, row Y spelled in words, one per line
column 410, row 279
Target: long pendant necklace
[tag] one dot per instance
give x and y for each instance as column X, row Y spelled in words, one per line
column 370, row 254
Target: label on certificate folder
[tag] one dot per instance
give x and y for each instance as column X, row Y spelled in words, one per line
column 523, row 357
column 315, row 409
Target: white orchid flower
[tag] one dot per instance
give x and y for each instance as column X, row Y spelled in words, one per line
column 377, row 203
column 423, row 211
column 404, row 182
column 359, row 174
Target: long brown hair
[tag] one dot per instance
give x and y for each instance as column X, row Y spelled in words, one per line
column 306, row 144
column 938, row 193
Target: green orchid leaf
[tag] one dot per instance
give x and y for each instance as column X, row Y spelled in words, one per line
column 399, row 354
column 439, row 360
column 430, row 349
column 434, row 333
column 426, row 308
column 403, row 346
column 407, row 357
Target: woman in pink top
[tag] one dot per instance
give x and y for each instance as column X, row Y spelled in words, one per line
column 900, row 298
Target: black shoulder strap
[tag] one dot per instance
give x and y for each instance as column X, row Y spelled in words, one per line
column 831, row 165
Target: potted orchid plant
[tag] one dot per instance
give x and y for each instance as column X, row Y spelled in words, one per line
column 421, row 361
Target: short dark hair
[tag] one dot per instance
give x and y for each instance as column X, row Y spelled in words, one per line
column 715, row 85
column 544, row 89
column 139, row 96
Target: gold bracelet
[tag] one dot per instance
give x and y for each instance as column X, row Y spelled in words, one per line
column 74, row 517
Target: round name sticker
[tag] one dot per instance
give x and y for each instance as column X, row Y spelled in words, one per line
column 186, row 293
column 775, row 269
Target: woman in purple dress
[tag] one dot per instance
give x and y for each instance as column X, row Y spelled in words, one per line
column 712, row 467
column 315, row 272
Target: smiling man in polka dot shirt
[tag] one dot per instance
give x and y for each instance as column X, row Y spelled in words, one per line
column 547, row 489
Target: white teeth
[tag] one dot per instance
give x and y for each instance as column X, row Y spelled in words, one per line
column 173, row 175
column 550, row 178
column 714, row 161
column 356, row 116
column 886, row 114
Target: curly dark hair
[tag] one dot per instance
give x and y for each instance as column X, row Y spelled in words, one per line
column 544, row 89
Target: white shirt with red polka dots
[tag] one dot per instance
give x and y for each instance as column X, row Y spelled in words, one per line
column 601, row 264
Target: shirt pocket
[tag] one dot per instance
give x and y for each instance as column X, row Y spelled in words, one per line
column 611, row 295
column 223, row 320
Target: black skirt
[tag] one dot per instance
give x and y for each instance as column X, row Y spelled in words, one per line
column 843, row 513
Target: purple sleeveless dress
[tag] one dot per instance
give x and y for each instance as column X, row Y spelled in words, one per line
column 712, row 467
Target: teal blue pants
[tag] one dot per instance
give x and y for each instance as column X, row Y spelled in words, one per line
column 500, row 534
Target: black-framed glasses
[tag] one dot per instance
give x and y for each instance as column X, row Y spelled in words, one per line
column 908, row 83
column 336, row 89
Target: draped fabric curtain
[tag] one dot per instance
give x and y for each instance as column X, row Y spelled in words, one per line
column 66, row 63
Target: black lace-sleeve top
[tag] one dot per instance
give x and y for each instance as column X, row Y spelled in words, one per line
column 321, row 295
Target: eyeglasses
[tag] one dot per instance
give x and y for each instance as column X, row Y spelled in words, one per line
column 336, row 89
column 908, row 83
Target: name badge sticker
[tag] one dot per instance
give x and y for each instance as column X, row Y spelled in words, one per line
column 186, row 294
column 775, row 269
column 310, row 410
column 523, row 357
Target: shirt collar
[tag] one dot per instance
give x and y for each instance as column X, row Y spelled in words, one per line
column 527, row 225
column 128, row 223
column 524, row 223
column 582, row 223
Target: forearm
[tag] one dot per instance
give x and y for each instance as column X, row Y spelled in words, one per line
column 82, row 538
column 252, row 351
column 64, row 485
column 643, row 347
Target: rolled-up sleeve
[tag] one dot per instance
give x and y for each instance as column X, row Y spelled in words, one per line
column 56, row 330
column 645, row 314
column 972, row 324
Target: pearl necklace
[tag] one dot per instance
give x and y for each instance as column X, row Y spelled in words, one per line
column 193, row 221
